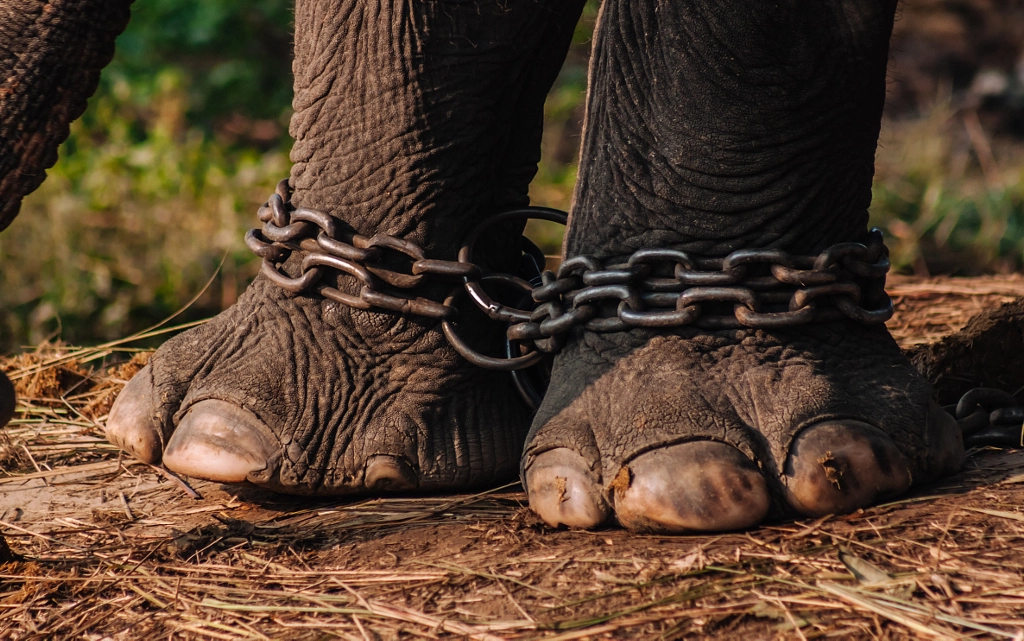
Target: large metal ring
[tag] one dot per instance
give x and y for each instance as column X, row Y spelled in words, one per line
column 492, row 308
column 475, row 357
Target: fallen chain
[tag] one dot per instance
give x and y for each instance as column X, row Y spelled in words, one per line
column 989, row 417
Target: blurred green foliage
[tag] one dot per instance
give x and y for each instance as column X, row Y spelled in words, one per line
column 563, row 124
column 186, row 135
column 159, row 180
column 950, row 200
column 231, row 56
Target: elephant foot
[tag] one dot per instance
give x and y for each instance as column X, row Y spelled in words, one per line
column 302, row 396
column 416, row 122
column 712, row 130
column 713, row 431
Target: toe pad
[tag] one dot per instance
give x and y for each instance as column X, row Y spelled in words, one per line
column 219, row 441
column 564, row 491
column 840, row 466
column 131, row 424
column 698, row 486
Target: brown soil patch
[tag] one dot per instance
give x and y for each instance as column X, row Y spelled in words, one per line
column 115, row 549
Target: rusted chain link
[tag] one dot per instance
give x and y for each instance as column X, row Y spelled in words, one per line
column 755, row 288
column 652, row 288
column 327, row 245
column 989, row 417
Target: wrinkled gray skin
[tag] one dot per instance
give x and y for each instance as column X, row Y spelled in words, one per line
column 710, row 127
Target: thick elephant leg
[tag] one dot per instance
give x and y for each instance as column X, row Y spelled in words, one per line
column 411, row 119
column 713, row 127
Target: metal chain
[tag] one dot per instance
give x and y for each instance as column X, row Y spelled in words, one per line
column 755, row 288
column 653, row 288
column 327, row 244
column 989, row 417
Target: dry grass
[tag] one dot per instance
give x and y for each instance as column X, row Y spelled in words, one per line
column 116, row 549
column 931, row 308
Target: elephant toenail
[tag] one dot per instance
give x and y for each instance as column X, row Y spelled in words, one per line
column 840, row 466
column 386, row 473
column 131, row 424
column 564, row 491
column 698, row 486
column 219, row 441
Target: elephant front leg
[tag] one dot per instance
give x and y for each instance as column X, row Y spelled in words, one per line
column 710, row 128
column 415, row 120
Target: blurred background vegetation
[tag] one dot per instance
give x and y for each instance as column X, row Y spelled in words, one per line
column 187, row 134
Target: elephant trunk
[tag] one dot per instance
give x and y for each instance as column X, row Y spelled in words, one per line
column 50, row 61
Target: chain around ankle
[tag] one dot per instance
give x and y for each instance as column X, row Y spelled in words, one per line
column 653, row 288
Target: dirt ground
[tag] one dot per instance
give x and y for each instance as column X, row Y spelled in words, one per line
column 111, row 548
